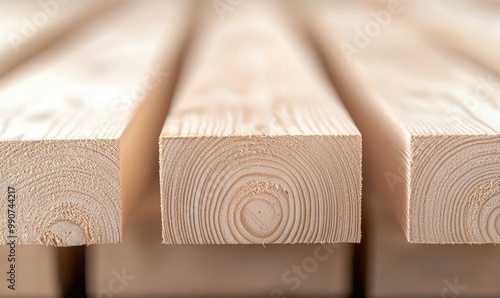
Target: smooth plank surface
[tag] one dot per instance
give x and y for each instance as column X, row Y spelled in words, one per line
column 67, row 119
column 157, row 270
column 431, row 125
column 257, row 147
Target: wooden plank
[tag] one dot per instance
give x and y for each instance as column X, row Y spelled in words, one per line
column 36, row 272
column 26, row 27
column 430, row 124
column 396, row 268
column 257, row 147
column 73, row 124
column 157, row 270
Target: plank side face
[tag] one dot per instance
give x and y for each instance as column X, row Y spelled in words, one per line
column 63, row 116
column 450, row 119
column 257, row 147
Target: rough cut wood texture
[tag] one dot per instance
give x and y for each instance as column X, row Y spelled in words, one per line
column 157, row 270
column 28, row 26
column 67, row 119
column 396, row 268
column 431, row 125
column 257, row 147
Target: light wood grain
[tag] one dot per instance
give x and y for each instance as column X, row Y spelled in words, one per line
column 212, row 271
column 66, row 135
column 396, row 268
column 431, row 130
column 26, row 27
column 257, row 147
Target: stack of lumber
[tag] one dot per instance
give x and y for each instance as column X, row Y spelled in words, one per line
column 430, row 124
column 273, row 173
column 129, row 125
column 257, row 147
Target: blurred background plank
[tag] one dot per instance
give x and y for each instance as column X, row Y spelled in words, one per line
column 396, row 268
column 152, row 269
